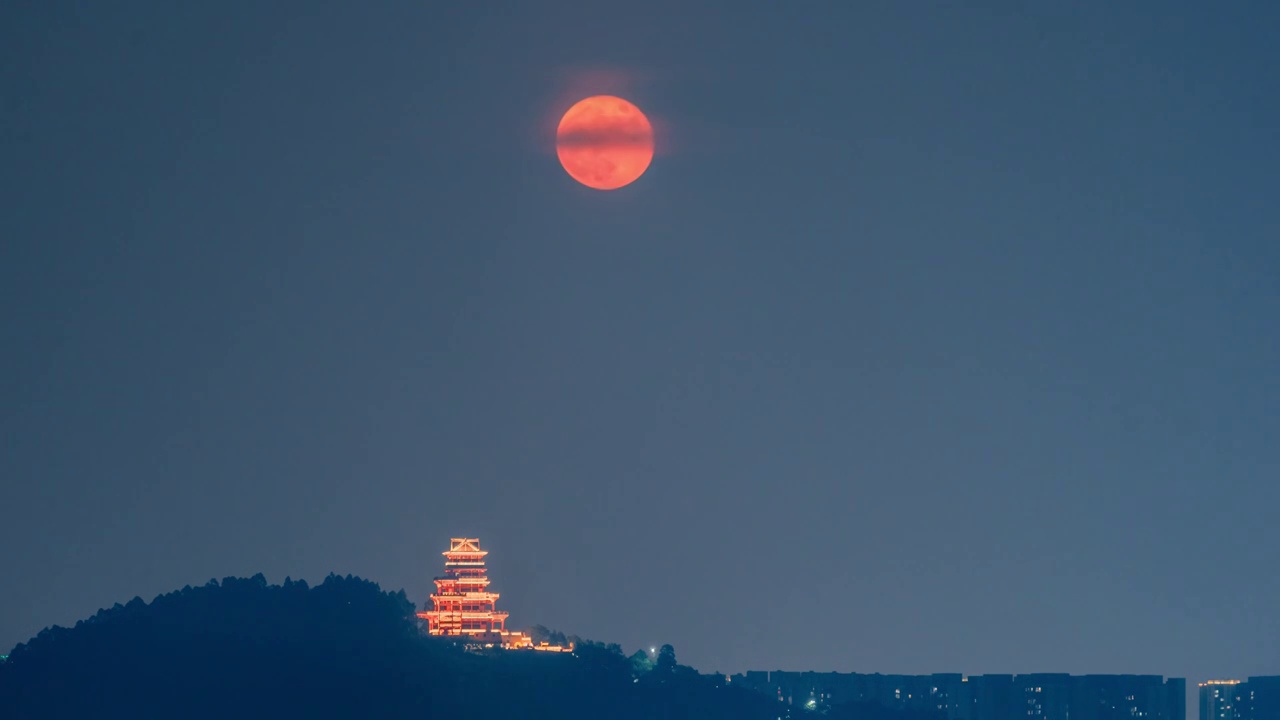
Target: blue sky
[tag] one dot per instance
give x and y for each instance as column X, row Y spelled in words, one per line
column 936, row 338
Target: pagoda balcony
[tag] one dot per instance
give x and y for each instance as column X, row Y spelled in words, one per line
column 467, row 614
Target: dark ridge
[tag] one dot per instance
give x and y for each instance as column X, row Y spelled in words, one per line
column 244, row 648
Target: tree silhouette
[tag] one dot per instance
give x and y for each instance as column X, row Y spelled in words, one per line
column 666, row 663
column 344, row 648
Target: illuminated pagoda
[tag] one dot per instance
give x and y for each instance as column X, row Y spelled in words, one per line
column 463, row 606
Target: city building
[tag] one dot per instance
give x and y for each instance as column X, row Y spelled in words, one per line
column 1261, row 697
column 1257, row 698
column 1220, row 700
column 1040, row 696
column 462, row 605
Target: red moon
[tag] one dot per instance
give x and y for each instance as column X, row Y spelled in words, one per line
column 604, row 142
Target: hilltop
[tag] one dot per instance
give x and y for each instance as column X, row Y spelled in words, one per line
column 344, row 648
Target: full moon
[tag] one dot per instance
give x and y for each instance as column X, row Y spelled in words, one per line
column 604, row 142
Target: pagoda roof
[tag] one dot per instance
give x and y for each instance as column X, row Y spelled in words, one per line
column 465, row 545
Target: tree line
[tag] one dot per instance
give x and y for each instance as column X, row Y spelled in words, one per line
column 344, row 648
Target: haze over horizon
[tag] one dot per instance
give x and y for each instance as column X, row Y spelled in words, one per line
column 934, row 339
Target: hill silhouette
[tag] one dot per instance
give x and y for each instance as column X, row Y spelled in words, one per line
column 344, row 648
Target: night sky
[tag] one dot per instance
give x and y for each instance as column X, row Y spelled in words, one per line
column 937, row 337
